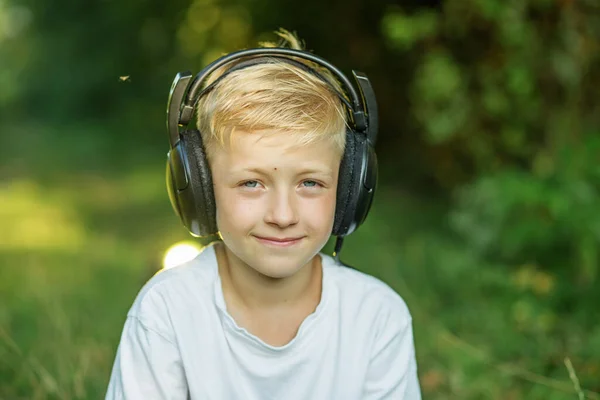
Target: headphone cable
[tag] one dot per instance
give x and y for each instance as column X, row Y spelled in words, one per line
column 338, row 248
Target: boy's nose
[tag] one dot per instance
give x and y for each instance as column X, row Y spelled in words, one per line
column 282, row 210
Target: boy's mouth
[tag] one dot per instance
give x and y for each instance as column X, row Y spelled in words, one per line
column 279, row 242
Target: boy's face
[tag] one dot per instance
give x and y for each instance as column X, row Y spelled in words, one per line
column 275, row 200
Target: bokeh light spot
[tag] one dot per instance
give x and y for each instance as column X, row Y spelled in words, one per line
column 180, row 253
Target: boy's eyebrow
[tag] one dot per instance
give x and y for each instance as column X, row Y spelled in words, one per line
column 305, row 171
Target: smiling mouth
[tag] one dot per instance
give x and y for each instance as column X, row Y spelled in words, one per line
column 279, row 242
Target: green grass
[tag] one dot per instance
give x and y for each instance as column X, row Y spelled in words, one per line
column 72, row 259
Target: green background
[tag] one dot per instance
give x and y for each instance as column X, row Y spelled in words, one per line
column 486, row 221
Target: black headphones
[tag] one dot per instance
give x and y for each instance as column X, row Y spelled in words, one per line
column 189, row 181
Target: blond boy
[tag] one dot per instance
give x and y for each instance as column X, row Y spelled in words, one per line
column 262, row 313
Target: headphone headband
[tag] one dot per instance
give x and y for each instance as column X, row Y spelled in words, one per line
column 271, row 51
column 179, row 113
column 271, row 59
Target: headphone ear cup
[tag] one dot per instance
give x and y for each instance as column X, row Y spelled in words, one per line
column 367, row 183
column 357, row 180
column 346, row 178
column 200, row 184
column 189, row 184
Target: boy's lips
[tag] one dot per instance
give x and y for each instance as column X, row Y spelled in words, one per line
column 277, row 241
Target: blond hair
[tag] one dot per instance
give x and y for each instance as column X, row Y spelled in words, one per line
column 276, row 97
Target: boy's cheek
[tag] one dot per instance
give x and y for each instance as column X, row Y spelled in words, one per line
column 233, row 207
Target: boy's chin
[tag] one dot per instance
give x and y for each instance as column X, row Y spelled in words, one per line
column 277, row 268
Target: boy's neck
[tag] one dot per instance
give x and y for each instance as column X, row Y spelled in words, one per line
column 244, row 286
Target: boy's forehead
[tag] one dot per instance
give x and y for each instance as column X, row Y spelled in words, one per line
column 275, row 147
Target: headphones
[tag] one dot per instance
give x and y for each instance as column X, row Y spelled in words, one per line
column 189, row 181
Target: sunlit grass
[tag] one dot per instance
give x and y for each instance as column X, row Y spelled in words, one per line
column 73, row 255
column 33, row 218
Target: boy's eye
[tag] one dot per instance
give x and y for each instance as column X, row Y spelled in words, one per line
column 250, row 184
column 310, row 183
column 254, row 184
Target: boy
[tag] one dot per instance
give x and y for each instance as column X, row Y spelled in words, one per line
column 261, row 313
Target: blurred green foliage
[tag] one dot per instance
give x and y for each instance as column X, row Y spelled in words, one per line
column 501, row 82
column 487, row 221
column 507, row 90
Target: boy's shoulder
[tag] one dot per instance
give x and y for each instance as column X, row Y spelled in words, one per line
column 185, row 283
column 360, row 291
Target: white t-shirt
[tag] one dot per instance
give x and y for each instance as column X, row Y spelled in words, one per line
column 179, row 342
